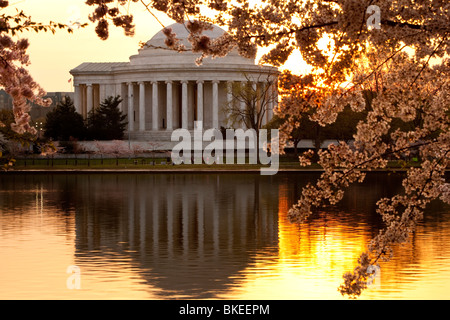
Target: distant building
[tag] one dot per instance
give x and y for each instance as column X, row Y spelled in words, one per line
column 37, row 112
column 164, row 90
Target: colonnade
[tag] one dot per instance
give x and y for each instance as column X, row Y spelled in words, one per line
column 166, row 105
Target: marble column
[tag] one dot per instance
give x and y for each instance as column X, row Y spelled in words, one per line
column 215, row 104
column 130, row 107
column 184, row 104
column 120, row 91
column 155, row 108
column 169, row 106
column 141, row 106
column 230, row 103
column 89, row 98
column 96, row 96
column 76, row 98
column 200, row 100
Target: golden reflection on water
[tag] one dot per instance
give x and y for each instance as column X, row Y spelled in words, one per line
column 37, row 246
column 201, row 237
column 310, row 261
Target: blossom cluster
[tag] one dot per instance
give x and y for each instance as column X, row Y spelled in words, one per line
column 14, row 76
column 17, row 81
column 106, row 10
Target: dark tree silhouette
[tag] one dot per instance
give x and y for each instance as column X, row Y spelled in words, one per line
column 107, row 122
column 64, row 122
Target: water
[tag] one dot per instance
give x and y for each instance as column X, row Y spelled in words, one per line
column 202, row 236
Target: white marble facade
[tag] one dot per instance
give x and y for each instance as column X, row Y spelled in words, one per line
column 163, row 90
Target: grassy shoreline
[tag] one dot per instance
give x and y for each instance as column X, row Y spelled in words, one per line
column 161, row 165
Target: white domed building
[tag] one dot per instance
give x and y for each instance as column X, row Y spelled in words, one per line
column 163, row 89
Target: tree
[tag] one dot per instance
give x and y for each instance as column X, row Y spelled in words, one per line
column 250, row 103
column 408, row 72
column 294, row 112
column 64, row 123
column 107, row 122
column 304, row 128
column 115, row 148
column 14, row 77
column 6, row 120
column 12, row 143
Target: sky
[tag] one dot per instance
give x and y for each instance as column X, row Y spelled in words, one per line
column 52, row 56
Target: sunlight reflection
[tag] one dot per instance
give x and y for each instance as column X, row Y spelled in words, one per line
column 201, row 237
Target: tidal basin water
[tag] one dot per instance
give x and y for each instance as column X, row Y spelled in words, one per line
column 203, row 236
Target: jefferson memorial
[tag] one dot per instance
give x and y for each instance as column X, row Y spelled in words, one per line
column 163, row 89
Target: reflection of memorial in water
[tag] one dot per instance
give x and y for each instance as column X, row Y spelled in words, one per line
column 195, row 236
column 204, row 236
column 191, row 235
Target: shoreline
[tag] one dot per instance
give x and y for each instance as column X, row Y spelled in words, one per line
column 139, row 166
column 185, row 170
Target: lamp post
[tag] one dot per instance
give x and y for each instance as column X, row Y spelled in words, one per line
column 38, row 126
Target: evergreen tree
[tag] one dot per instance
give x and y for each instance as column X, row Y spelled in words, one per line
column 107, row 122
column 64, row 123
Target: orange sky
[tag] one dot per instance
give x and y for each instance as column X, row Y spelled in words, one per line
column 53, row 56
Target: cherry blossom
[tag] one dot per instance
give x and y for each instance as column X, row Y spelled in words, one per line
column 14, row 60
